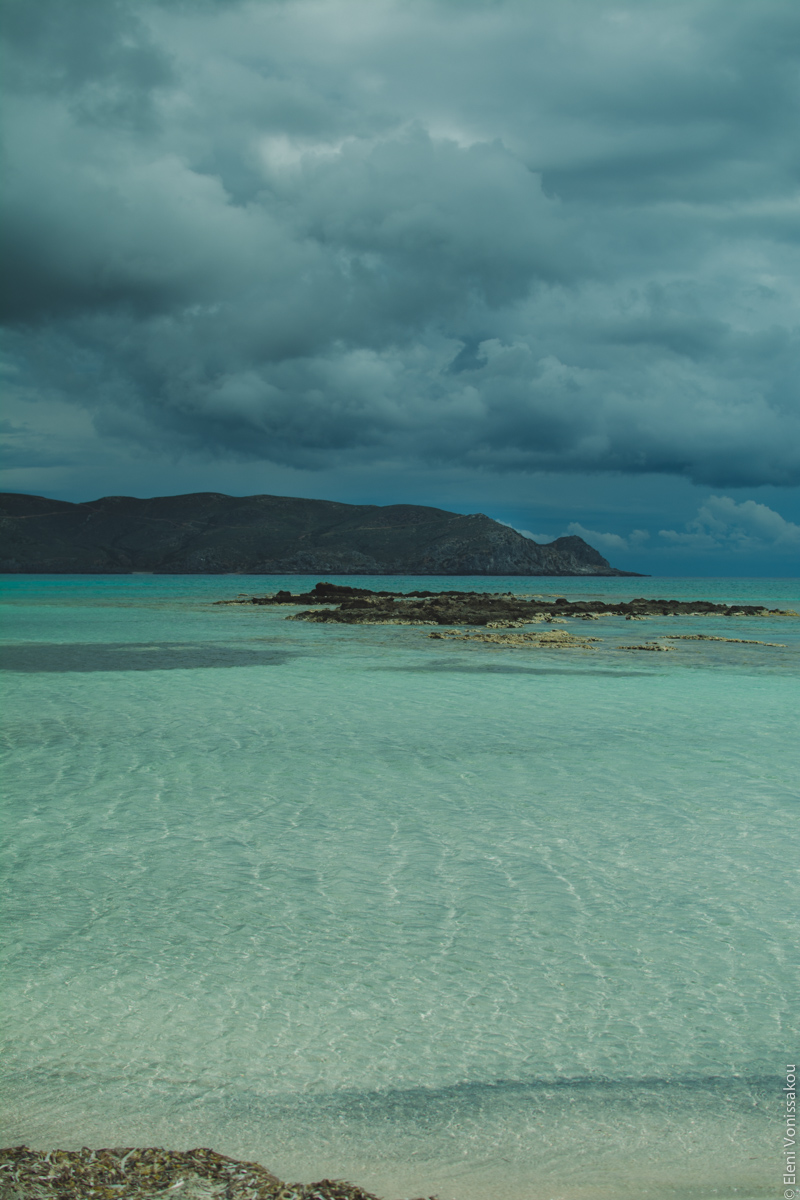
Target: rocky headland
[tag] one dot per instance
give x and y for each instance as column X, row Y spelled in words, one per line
column 210, row 533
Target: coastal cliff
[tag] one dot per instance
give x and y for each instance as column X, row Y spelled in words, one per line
column 210, row 533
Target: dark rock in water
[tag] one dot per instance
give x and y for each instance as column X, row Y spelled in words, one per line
column 209, row 533
column 359, row 606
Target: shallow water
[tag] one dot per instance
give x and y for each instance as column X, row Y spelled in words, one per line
column 432, row 916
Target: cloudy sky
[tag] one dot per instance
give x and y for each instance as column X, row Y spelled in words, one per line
column 535, row 258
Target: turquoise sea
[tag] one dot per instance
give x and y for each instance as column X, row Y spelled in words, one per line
column 438, row 918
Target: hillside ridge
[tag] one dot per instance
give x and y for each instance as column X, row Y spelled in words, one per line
column 212, row 533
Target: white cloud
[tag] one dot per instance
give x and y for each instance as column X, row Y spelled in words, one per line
column 541, row 538
column 722, row 524
column 609, row 541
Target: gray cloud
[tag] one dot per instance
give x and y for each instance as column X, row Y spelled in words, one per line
column 512, row 237
column 721, row 523
column 721, row 526
column 611, row 542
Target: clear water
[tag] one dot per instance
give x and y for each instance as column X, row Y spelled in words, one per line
column 435, row 917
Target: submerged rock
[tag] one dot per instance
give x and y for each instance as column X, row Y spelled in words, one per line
column 648, row 646
column 711, row 637
column 559, row 639
column 151, row 1173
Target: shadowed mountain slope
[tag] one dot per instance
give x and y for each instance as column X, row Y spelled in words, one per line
column 210, row 533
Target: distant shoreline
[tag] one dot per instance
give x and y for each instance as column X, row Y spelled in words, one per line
column 208, row 533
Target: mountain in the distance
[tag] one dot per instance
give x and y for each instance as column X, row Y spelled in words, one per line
column 209, row 533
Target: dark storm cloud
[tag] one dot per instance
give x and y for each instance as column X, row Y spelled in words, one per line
column 512, row 236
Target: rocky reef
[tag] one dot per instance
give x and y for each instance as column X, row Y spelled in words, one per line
column 494, row 610
column 150, row 1173
column 557, row 639
column 481, row 612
